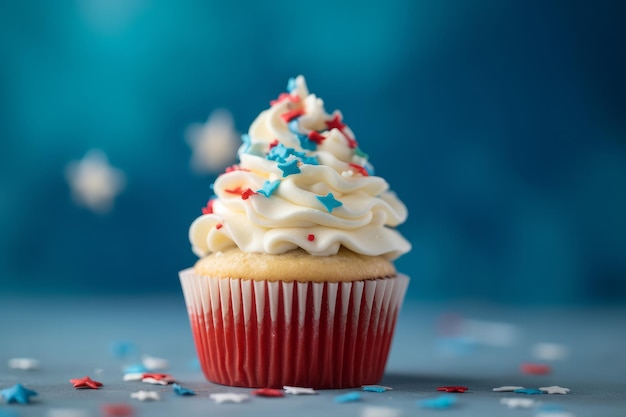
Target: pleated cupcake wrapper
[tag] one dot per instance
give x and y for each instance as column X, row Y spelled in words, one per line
column 269, row 334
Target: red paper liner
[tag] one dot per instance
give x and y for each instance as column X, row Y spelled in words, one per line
column 270, row 334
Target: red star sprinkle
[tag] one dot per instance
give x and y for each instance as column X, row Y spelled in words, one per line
column 85, row 382
column 247, row 193
column 268, row 392
column 336, row 123
column 235, row 168
column 292, row 114
column 209, row 207
column 285, row 96
column 453, row 388
column 359, row 168
column 117, row 410
column 158, row 376
column 237, row 190
column 311, row 237
column 274, row 143
column 535, row 369
column 316, row 137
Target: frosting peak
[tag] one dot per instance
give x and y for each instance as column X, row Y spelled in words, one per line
column 301, row 182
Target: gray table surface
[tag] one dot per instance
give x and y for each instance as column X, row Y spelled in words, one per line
column 72, row 336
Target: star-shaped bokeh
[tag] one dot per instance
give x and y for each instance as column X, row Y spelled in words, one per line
column 213, row 143
column 94, row 182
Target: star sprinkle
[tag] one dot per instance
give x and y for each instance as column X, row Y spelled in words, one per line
column 163, row 379
column 518, row 402
column 376, row 388
column 289, row 168
column 25, row 364
column 85, row 382
column 555, row 389
column 145, row 395
column 229, row 397
column 182, row 391
column 268, row 188
column 455, row 388
column 336, row 123
column 350, row 397
column 133, row 376
column 209, row 207
column 213, row 143
column 117, row 410
column 441, row 402
column 94, row 183
column 316, row 137
column 299, row 390
column 329, row 202
column 507, row 388
column 155, row 381
column 291, row 114
column 306, row 143
column 528, row 391
column 535, row 369
column 17, row 394
column 268, row 392
column 371, row 411
column 247, row 193
column 154, row 364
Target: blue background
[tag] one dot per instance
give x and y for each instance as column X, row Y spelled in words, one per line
column 502, row 125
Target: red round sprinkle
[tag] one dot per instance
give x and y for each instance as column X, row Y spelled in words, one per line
column 268, row 392
column 117, row 410
column 453, row 388
column 535, row 369
column 311, row 237
column 218, row 227
column 292, row 114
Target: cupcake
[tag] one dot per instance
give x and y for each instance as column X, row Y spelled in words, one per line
column 295, row 283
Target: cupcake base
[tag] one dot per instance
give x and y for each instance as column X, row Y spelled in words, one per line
column 270, row 334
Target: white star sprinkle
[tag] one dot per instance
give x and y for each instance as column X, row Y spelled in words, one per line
column 299, row 390
column 229, row 397
column 213, row 143
column 518, row 402
column 26, row 364
column 507, row 388
column 145, row 395
column 550, row 351
column 133, row 376
column 555, row 389
column 154, row 364
column 94, row 182
column 371, row 411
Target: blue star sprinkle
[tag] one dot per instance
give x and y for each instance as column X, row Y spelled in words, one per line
column 245, row 138
column 291, row 84
column 182, row 390
column 311, row 160
column 279, row 153
column 294, row 126
column 529, row 391
column 17, row 394
column 136, row 368
column 375, row 388
column 306, row 143
column 268, row 188
column 348, row 398
column 329, row 201
column 441, row 402
column 289, row 168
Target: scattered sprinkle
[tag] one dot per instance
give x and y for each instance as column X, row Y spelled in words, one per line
column 535, row 369
column 182, row 391
column 316, row 137
column 291, row 114
column 350, row 397
column 268, row 392
column 117, row 410
column 159, row 377
column 374, row 411
column 507, row 388
column 453, row 388
column 555, row 389
column 154, row 381
column 311, row 237
column 306, row 143
column 229, row 397
column 209, row 207
column 268, row 188
column 247, row 193
column 25, row 364
column 145, row 395
column 376, row 388
column 329, row 202
column 359, row 168
column 289, row 168
column 528, row 391
column 336, row 123
column 518, row 402
column 299, row 390
column 133, row 376
column 273, row 143
column 219, row 226
column 85, row 382
column 17, row 394
column 441, row 402
column 550, row 351
column 291, row 84
column 235, row 167
column 153, row 363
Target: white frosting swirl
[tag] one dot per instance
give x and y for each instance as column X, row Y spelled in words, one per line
column 301, row 183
